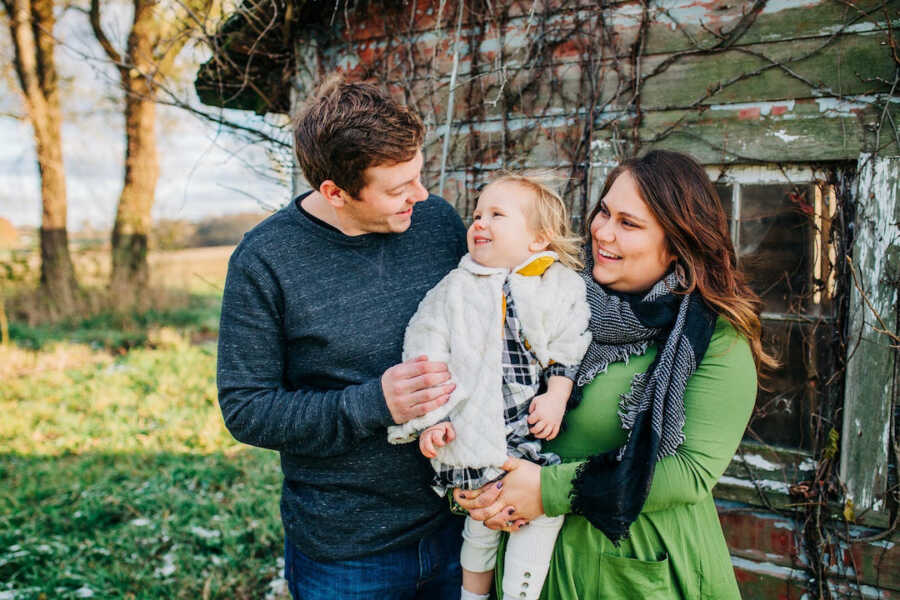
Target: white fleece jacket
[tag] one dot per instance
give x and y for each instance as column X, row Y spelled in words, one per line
column 460, row 322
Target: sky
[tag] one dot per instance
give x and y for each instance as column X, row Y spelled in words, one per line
column 204, row 171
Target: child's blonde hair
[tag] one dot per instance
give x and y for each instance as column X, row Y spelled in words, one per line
column 549, row 216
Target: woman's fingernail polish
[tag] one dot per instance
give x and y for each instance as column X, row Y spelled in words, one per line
column 499, row 485
column 463, row 496
column 511, row 510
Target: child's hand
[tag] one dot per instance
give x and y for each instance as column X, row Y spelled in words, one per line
column 435, row 437
column 546, row 414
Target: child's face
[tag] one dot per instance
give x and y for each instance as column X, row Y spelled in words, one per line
column 500, row 234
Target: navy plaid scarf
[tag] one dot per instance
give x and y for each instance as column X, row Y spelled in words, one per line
column 611, row 487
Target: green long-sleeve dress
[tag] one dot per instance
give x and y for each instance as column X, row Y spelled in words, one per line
column 676, row 548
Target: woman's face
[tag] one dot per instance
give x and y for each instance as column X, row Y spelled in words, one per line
column 628, row 243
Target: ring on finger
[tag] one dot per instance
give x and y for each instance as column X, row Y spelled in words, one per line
column 509, row 523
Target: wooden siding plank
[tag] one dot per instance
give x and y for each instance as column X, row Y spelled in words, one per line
column 778, row 21
column 794, row 132
column 847, row 66
column 856, row 65
column 853, row 65
column 675, row 26
column 822, row 130
column 871, row 388
column 877, row 564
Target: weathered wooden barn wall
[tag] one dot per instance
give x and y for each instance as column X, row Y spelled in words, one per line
column 797, row 89
column 573, row 87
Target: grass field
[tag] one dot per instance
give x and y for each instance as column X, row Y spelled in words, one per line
column 117, row 476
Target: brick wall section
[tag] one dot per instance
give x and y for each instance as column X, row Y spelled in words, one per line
column 770, row 561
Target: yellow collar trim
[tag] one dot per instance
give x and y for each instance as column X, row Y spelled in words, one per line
column 536, row 267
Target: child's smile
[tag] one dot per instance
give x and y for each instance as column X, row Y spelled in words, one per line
column 501, row 234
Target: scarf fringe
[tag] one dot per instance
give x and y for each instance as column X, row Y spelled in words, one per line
column 630, row 403
column 612, row 354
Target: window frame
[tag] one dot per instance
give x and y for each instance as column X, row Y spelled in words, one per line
column 765, row 474
column 762, row 473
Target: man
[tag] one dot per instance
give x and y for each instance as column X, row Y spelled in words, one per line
column 315, row 306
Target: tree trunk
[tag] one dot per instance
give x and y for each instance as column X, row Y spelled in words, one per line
column 130, row 271
column 31, row 26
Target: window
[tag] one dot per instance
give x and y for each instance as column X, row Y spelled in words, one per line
column 781, row 225
column 781, row 228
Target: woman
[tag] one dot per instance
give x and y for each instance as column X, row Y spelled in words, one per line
column 664, row 395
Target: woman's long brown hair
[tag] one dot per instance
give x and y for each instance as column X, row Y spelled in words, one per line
column 682, row 198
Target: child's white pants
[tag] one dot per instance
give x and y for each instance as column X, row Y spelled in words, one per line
column 528, row 554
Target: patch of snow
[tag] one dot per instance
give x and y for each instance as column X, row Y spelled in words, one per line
column 784, row 136
column 765, row 108
column 139, row 522
column 168, row 566
column 206, row 534
column 772, row 486
column 755, row 460
column 84, row 592
column 278, row 587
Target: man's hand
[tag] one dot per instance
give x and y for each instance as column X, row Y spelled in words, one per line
column 434, row 437
column 414, row 387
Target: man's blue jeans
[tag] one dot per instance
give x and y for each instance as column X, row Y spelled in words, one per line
column 428, row 571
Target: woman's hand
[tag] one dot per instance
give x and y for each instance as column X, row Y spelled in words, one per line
column 481, row 503
column 509, row 503
column 520, row 494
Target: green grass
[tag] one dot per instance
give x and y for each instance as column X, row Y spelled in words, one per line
column 119, row 480
column 193, row 314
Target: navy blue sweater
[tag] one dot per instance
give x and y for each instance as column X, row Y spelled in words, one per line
column 311, row 319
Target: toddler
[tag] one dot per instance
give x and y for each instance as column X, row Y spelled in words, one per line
column 510, row 321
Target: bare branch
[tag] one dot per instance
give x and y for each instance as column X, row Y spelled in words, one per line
column 107, row 46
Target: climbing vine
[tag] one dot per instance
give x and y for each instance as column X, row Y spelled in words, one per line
column 573, row 87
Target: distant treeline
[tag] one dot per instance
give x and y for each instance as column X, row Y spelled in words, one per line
column 166, row 234
column 227, row 230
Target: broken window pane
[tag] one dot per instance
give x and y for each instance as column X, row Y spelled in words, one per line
column 775, row 243
column 783, row 240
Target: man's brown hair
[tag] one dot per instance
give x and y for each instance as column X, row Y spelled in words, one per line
column 347, row 127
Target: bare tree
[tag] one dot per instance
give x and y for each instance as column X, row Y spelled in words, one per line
column 31, row 24
column 158, row 33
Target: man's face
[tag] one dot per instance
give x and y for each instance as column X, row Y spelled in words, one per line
column 386, row 202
